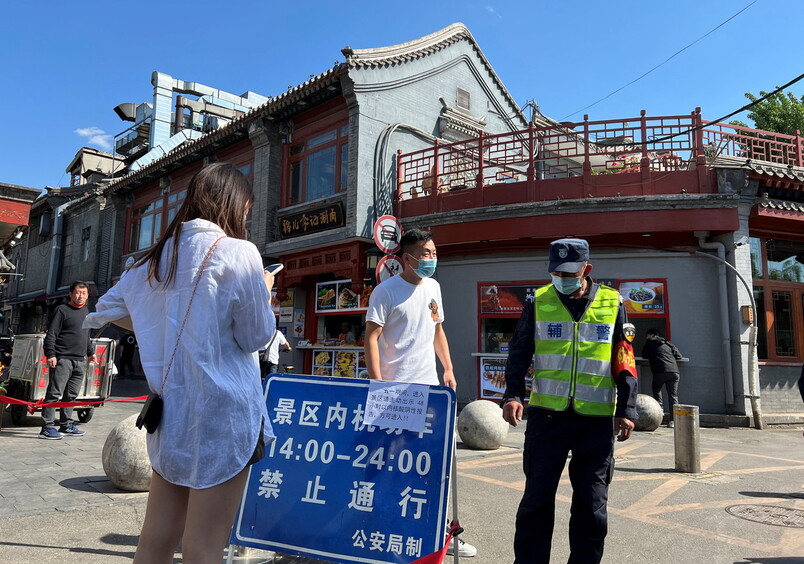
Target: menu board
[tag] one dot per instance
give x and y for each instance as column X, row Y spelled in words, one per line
column 492, row 378
column 337, row 296
column 338, row 363
column 645, row 297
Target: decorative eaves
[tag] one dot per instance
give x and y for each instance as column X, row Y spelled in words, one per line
column 764, row 168
column 784, row 205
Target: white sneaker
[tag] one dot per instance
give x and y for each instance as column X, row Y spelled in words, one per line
column 465, row 550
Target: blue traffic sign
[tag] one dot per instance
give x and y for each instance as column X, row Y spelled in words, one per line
column 333, row 488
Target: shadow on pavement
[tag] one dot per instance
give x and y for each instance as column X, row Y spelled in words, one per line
column 644, row 470
column 120, row 540
column 763, row 560
column 84, row 483
column 122, row 554
column 794, row 495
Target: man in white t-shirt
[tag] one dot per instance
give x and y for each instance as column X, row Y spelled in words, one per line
column 404, row 331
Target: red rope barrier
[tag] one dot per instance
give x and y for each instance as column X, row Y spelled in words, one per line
column 38, row 404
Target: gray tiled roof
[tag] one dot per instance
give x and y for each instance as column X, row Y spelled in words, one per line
column 765, row 168
column 776, row 204
column 403, row 52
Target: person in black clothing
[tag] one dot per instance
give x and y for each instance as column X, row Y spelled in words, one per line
column 662, row 355
column 67, row 346
column 575, row 327
column 128, row 345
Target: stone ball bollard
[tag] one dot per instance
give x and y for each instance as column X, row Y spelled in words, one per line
column 481, row 426
column 125, row 457
column 649, row 413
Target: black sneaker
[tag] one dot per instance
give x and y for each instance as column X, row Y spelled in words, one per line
column 71, row 430
column 50, row 433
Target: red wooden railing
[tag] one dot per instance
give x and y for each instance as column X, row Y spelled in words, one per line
column 655, row 155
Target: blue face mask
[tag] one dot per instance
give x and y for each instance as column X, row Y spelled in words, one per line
column 566, row 285
column 426, row 267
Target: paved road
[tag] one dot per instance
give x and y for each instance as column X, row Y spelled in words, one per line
column 746, row 507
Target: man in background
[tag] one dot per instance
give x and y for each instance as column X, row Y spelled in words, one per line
column 662, row 355
column 67, row 347
column 270, row 358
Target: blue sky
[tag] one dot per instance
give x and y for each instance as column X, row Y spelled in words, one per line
column 65, row 65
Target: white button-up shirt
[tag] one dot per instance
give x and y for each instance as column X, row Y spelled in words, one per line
column 213, row 401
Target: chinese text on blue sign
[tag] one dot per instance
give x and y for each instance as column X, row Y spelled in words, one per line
column 333, row 488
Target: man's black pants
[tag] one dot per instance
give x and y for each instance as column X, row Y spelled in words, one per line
column 65, row 385
column 670, row 380
column 549, row 437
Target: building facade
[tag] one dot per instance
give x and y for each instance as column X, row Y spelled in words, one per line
column 678, row 212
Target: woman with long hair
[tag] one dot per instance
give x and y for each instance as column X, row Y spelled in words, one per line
column 199, row 304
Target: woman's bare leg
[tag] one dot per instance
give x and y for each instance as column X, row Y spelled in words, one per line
column 210, row 515
column 164, row 522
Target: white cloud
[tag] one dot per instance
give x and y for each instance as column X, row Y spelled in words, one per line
column 96, row 136
column 491, row 10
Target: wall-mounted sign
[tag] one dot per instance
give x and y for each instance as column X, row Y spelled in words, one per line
column 492, row 378
column 336, row 296
column 312, row 221
column 506, row 299
column 643, row 297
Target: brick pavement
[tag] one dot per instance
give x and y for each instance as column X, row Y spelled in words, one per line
column 38, row 476
column 57, row 506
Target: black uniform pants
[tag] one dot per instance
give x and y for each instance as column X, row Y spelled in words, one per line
column 549, row 437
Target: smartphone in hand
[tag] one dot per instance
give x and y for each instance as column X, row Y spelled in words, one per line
column 274, row 268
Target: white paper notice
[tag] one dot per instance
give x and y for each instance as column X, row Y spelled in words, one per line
column 397, row 406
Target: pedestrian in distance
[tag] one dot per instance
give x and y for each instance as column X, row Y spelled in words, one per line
column 270, row 356
column 404, row 331
column 128, row 345
column 583, row 394
column 199, row 303
column 67, row 347
column 662, row 355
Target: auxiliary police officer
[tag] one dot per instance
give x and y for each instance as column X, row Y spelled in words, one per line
column 583, row 394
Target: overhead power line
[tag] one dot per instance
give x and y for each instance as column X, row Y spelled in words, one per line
column 723, row 118
column 640, row 77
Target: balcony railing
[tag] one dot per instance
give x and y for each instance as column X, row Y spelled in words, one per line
column 635, row 156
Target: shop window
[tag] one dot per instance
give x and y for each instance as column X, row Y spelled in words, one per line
column 173, row 203
column 500, row 306
column 785, row 260
column 755, row 244
column 146, row 225
column 762, row 325
column 779, row 295
column 783, row 324
column 317, row 165
column 150, row 219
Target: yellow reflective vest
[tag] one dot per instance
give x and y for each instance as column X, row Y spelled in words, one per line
column 573, row 359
